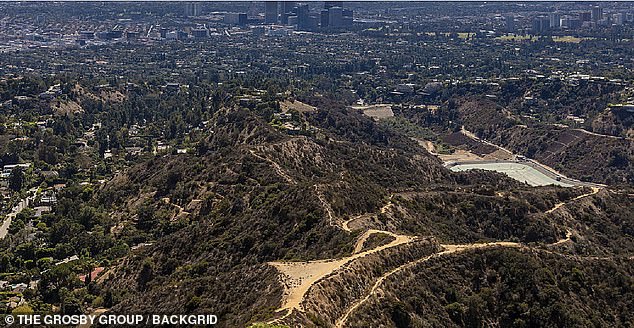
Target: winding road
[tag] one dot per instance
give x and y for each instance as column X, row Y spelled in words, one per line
column 557, row 206
column 447, row 249
column 298, row 277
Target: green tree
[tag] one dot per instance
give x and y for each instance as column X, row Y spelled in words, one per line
column 16, row 179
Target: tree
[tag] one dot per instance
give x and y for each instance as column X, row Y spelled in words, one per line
column 16, row 179
column 145, row 275
column 400, row 316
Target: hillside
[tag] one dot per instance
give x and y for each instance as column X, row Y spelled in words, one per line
column 286, row 164
column 505, row 287
column 574, row 152
column 254, row 196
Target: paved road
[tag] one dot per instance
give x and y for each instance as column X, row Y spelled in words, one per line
column 4, row 229
column 24, row 203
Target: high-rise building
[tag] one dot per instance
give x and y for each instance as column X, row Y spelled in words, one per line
column 235, row 18
column 324, row 16
column 555, row 20
column 306, row 21
column 509, row 21
column 288, row 6
column 596, row 14
column 570, row 22
column 288, row 9
column 620, row 18
column 303, row 17
column 585, row 16
column 335, row 17
column 541, row 24
column 270, row 12
column 330, row 4
column 192, row 9
column 347, row 17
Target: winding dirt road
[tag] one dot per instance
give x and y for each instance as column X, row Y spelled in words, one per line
column 298, row 277
column 345, row 225
column 594, row 191
column 326, row 206
column 277, row 167
column 447, row 249
column 451, row 249
column 359, row 245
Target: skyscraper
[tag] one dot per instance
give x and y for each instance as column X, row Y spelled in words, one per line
column 324, row 17
column 555, row 20
column 330, row 4
column 335, row 17
column 597, row 13
column 302, row 17
column 509, row 21
column 541, row 24
column 288, row 6
column 347, row 17
column 287, row 10
column 191, row 9
column 270, row 12
column 235, row 18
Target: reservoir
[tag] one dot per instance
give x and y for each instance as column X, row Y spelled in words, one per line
column 518, row 171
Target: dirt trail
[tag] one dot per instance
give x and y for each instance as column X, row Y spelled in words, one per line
column 345, row 225
column 359, row 245
column 298, row 277
column 602, row 135
column 450, row 249
column 277, row 167
column 561, row 241
column 447, row 249
column 331, row 217
column 594, row 191
column 472, row 135
column 388, row 206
